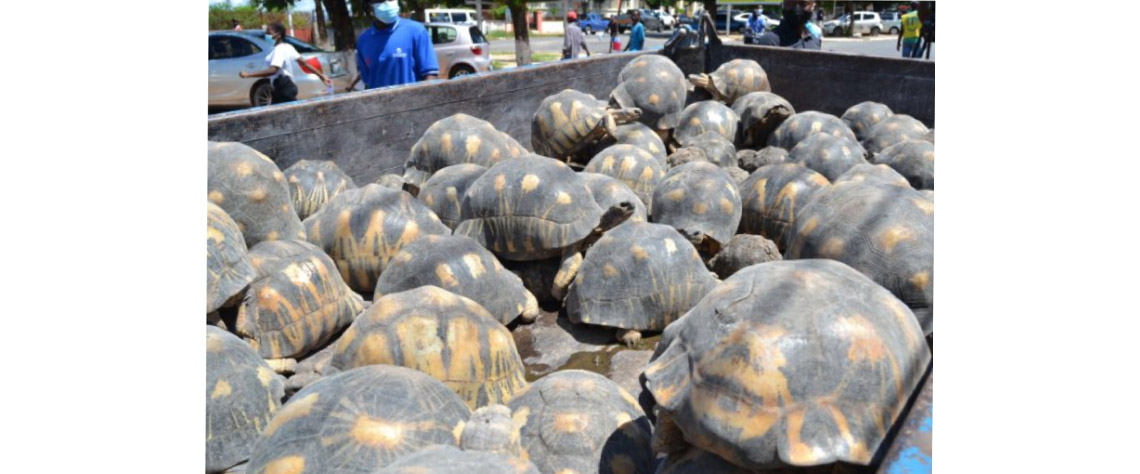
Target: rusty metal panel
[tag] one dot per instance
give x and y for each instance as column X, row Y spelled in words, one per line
column 912, row 451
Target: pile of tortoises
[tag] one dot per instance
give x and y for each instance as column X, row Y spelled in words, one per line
column 747, row 287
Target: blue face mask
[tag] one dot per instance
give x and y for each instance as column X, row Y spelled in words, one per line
column 386, row 12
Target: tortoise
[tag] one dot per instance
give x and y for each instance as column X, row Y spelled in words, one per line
column 717, row 150
column 761, row 113
column 569, row 123
column 706, row 116
column 774, row 196
column 733, row 80
column 913, row 159
column 461, row 266
column 638, row 277
column 884, row 231
column 242, row 395
column 894, row 129
column 457, row 139
column 702, row 202
column 818, row 377
column 634, row 167
column 392, row 181
column 751, row 161
column 444, row 189
column 534, row 208
column 444, row 459
column 249, row 187
column 831, row 156
column 312, row 183
column 297, row 303
column 927, row 193
column 582, row 422
column 929, row 136
column 447, row 336
column 654, row 85
column 804, row 124
column 228, row 270
column 359, row 420
column 738, row 175
column 638, row 135
column 744, row 250
column 686, row 154
column 538, row 275
column 863, row 117
column 609, row 192
column 361, row 229
column 491, row 429
column 877, row 173
column 695, row 460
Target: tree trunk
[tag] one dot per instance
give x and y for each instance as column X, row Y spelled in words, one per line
column 322, row 31
column 343, row 33
column 522, row 32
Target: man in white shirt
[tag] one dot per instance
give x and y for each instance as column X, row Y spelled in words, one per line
column 282, row 65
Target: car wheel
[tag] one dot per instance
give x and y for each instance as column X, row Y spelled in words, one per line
column 838, row 31
column 875, row 31
column 589, row 30
column 460, row 71
column 261, row 94
column 894, row 31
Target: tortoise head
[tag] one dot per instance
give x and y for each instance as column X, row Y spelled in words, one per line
column 623, row 116
column 706, row 246
column 706, row 82
column 614, row 216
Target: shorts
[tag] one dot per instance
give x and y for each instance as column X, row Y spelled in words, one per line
column 284, row 90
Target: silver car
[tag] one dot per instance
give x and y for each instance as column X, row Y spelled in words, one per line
column 460, row 49
column 234, row 51
column 867, row 23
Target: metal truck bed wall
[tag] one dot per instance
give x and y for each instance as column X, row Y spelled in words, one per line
column 370, row 133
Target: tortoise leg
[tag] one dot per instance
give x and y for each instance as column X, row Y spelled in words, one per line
column 530, row 310
column 667, row 436
column 629, row 337
column 571, row 262
column 282, row 366
column 611, row 125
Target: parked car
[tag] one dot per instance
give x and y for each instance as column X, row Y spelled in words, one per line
column 667, row 19
column 455, row 17
column 865, row 23
column 460, row 49
column 892, row 22
column 738, row 26
column 693, row 22
column 234, row 51
column 593, row 22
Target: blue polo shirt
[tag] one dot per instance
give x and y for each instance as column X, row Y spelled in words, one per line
column 637, row 37
column 402, row 54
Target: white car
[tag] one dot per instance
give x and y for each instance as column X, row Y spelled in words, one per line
column 892, row 22
column 667, row 20
column 867, row 23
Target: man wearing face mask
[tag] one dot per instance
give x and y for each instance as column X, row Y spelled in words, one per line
column 394, row 50
column 793, row 32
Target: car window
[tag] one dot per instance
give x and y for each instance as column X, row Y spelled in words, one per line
column 301, row 46
column 225, row 47
column 459, row 17
column 439, row 18
column 442, row 35
column 477, row 36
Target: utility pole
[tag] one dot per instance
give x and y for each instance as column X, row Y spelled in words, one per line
column 289, row 14
column 479, row 14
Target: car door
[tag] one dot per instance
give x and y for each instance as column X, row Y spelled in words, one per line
column 446, row 48
column 229, row 55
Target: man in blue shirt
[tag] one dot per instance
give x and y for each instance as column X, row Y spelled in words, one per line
column 394, row 50
column 636, row 34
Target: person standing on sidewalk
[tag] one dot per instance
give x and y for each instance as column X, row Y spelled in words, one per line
column 636, row 34
column 393, row 50
column 614, row 30
column 282, row 67
column 910, row 33
column 574, row 41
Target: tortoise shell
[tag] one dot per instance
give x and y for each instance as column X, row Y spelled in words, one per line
column 361, row 229
column 242, row 395
column 761, row 113
column 578, row 421
column 457, row 139
column 638, row 276
column 250, row 188
column 444, row 335
column 706, row 116
column 804, row 124
column 528, row 208
column 744, row 250
column 738, row 175
column 695, row 460
column 719, row 150
column 698, row 199
column 819, row 377
column 638, row 135
column 609, row 192
column 443, row 191
column 733, row 80
column 359, row 420
column 929, row 136
column 774, row 196
column 751, row 161
column 913, row 159
column 829, row 155
column 927, row 193
column 636, row 168
column 298, row 301
column 312, row 183
column 863, row 117
column 461, row 266
column 876, row 173
column 391, row 181
column 452, row 460
column 228, row 270
column 884, row 231
column 565, row 123
column 894, row 129
column 491, row 429
column 654, row 84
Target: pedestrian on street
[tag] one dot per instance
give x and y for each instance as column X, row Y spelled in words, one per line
column 236, row 24
column 281, row 67
column 793, row 32
column 393, row 50
column 756, row 27
column 636, row 34
column 574, row 41
column 614, row 31
column 927, row 32
column 910, row 33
